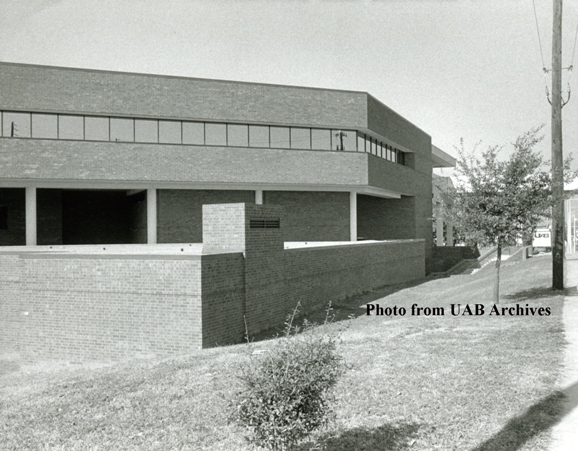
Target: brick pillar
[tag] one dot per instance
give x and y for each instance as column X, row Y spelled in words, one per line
column 31, row 221
column 241, row 228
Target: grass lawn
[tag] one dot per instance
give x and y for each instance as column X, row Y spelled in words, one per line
column 415, row 382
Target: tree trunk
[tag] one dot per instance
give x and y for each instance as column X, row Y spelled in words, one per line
column 497, row 279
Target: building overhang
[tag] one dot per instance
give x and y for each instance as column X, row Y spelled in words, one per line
column 441, row 159
column 133, row 187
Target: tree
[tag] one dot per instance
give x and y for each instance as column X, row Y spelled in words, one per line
column 498, row 202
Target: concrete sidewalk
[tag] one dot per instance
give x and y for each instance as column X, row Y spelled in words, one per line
column 565, row 433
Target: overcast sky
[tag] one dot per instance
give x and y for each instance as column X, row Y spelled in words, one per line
column 467, row 69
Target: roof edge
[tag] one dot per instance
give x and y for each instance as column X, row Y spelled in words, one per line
column 180, row 77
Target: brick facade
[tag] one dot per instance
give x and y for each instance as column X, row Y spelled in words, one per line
column 312, row 216
column 180, row 212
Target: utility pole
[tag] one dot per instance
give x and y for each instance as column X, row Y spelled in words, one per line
column 557, row 156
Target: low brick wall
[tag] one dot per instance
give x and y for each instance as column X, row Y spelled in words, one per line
column 94, row 306
column 97, row 304
column 446, row 257
column 312, row 276
column 276, row 279
column 10, row 309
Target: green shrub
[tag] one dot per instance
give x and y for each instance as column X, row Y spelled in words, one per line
column 286, row 393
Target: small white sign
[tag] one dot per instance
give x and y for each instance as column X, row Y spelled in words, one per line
column 542, row 238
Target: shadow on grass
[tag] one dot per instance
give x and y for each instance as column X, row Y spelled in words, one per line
column 541, row 416
column 532, row 293
column 342, row 310
column 383, row 438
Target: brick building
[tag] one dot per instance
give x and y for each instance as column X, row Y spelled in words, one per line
column 95, row 157
column 107, row 157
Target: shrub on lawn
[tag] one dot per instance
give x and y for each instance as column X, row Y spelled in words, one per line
column 286, row 393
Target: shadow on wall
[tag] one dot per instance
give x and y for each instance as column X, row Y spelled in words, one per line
column 349, row 308
column 541, row 416
column 383, row 438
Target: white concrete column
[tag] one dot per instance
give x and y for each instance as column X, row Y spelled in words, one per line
column 439, row 231
column 151, row 216
column 450, row 234
column 352, row 216
column 31, row 221
column 569, row 248
column 259, row 196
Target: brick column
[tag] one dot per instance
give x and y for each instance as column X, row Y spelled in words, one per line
column 31, row 223
column 151, row 216
column 352, row 216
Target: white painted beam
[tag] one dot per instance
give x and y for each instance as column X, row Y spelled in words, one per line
column 31, row 220
column 151, row 216
column 439, row 231
column 352, row 216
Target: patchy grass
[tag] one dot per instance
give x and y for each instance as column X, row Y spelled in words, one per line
column 420, row 383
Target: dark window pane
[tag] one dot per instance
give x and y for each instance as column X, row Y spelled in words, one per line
column 146, row 131
column 194, row 133
column 121, row 129
column 96, row 128
column 16, row 125
column 44, row 126
column 170, row 132
column 71, row 127
column 300, row 138
column 321, row 139
column 3, row 217
column 237, row 135
column 258, row 136
column 216, row 134
column 280, row 137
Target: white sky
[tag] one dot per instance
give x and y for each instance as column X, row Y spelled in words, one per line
column 455, row 68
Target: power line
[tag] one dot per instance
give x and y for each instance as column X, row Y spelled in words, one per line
column 574, row 50
column 539, row 39
column 547, row 71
